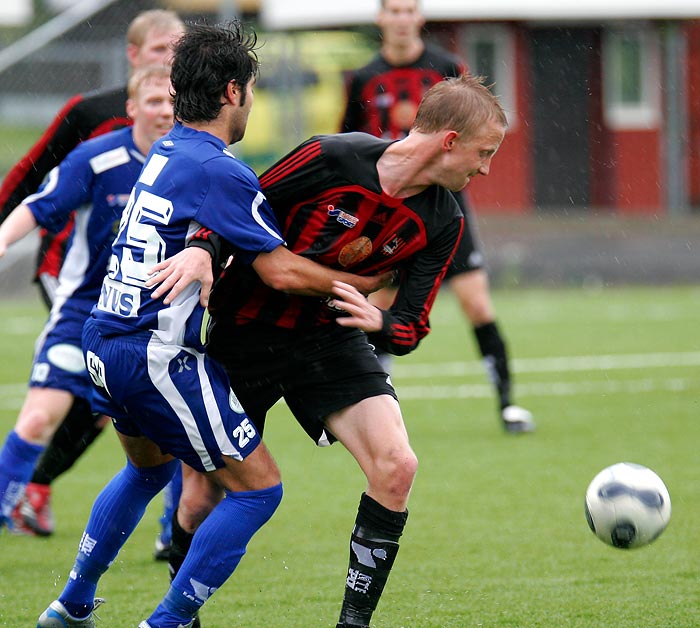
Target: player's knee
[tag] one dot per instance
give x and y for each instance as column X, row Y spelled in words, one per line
column 198, row 498
column 397, row 472
column 36, row 425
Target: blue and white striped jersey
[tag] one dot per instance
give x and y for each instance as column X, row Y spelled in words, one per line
column 190, row 180
column 95, row 180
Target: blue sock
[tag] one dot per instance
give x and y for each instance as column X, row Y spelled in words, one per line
column 171, row 498
column 17, row 460
column 217, row 548
column 115, row 514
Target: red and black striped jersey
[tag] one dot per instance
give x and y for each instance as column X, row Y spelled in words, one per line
column 383, row 99
column 331, row 208
column 83, row 117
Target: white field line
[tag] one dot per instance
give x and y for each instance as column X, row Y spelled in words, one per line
column 550, row 365
column 11, row 395
column 402, row 374
column 549, row 389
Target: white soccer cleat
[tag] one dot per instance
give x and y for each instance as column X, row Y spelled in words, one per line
column 56, row 616
column 517, row 420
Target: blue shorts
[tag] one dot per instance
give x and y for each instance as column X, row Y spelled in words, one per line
column 176, row 396
column 58, row 356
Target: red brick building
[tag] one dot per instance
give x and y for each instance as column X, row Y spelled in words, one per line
column 603, row 97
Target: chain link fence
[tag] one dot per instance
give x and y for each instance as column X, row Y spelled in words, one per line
column 299, row 93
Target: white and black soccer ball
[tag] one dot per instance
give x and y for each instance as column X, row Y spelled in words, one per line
column 627, row 505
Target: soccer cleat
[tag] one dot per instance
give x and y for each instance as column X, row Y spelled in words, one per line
column 56, row 616
column 517, row 420
column 15, row 523
column 162, row 550
column 36, row 509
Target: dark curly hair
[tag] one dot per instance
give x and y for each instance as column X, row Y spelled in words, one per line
column 207, row 58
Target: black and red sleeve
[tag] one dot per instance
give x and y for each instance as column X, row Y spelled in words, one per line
column 26, row 176
column 406, row 323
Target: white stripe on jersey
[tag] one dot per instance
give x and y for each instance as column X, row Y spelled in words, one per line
column 54, row 317
column 77, row 260
column 257, row 201
column 50, row 284
column 225, row 444
column 152, row 169
column 50, row 186
column 159, row 358
column 172, row 320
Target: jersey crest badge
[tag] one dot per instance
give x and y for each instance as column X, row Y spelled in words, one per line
column 354, row 252
column 393, row 245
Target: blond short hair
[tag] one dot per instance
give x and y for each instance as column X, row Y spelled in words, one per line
column 159, row 20
column 462, row 104
column 144, row 75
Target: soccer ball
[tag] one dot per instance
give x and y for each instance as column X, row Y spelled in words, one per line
column 627, row 505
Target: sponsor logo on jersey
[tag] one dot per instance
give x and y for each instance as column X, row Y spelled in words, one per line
column 345, row 219
column 110, row 159
column 118, row 298
column 380, row 218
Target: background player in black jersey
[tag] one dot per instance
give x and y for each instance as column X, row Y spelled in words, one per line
column 149, row 38
column 365, row 205
column 382, row 99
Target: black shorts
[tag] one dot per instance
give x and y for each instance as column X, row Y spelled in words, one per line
column 468, row 256
column 317, row 372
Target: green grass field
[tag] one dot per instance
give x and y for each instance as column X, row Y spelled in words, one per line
column 496, row 536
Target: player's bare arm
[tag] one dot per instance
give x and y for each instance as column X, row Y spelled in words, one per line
column 18, row 224
column 283, row 270
column 280, row 269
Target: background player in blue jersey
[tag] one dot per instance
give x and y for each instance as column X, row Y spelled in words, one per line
column 95, row 181
column 382, row 99
column 83, row 117
column 367, row 205
column 145, row 356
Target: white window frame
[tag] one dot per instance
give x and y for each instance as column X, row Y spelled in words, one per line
column 504, row 77
column 646, row 113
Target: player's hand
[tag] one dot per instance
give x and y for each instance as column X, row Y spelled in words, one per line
column 362, row 314
column 179, row 271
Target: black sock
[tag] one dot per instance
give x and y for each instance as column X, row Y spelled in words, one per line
column 75, row 434
column 180, row 545
column 493, row 350
column 373, row 548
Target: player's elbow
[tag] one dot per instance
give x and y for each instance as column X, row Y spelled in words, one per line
column 282, row 277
